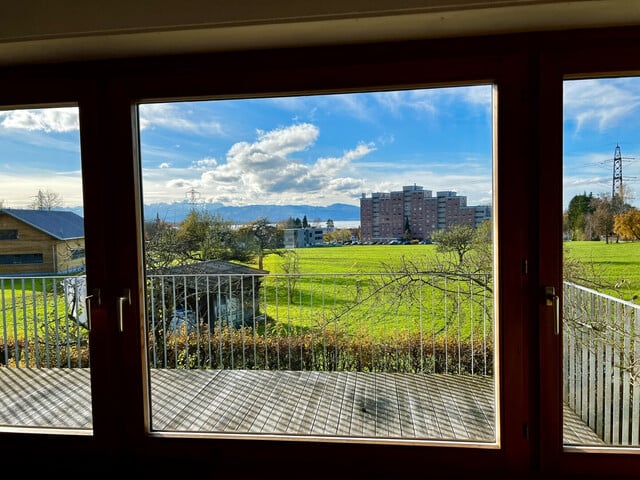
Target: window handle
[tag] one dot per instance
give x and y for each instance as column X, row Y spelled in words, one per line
column 552, row 300
column 126, row 297
column 95, row 293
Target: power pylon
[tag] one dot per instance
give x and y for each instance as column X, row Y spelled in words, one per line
column 193, row 196
column 616, row 185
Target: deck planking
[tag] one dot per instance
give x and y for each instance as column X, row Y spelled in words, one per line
column 321, row 404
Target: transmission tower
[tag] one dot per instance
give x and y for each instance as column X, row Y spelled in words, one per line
column 193, row 196
column 616, row 185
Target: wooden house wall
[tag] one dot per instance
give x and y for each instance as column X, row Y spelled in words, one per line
column 33, row 241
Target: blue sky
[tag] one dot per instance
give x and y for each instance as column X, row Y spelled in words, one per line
column 323, row 149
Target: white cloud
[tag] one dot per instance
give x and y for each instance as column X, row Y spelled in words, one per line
column 263, row 170
column 599, row 103
column 63, row 119
column 174, row 117
column 205, row 163
column 164, row 165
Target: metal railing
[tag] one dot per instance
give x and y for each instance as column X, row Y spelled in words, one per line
column 43, row 322
column 410, row 322
column 602, row 363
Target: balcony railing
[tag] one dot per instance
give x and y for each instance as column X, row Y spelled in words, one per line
column 602, row 363
column 422, row 322
column 411, row 322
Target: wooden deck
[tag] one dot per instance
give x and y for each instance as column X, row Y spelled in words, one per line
column 334, row 404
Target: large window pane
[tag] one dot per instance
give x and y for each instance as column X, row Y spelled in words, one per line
column 601, row 312
column 44, row 351
column 322, row 265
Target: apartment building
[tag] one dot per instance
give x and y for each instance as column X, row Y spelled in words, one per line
column 414, row 213
column 303, row 237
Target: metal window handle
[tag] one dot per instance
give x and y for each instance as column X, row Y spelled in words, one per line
column 126, row 297
column 552, row 300
column 95, row 293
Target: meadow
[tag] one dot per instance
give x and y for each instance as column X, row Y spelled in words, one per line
column 361, row 294
column 614, row 264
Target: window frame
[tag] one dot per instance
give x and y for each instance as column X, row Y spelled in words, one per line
column 528, row 71
column 308, row 71
column 595, row 58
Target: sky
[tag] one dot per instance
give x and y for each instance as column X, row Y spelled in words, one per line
column 323, row 149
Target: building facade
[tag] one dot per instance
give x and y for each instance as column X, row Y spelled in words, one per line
column 41, row 242
column 414, row 214
column 303, row 237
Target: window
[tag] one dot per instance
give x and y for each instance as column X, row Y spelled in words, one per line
column 601, row 281
column 20, row 258
column 8, row 234
column 153, row 319
column 316, row 341
column 45, row 375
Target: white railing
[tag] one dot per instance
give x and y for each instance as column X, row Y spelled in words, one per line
column 601, row 357
column 43, row 322
column 411, row 322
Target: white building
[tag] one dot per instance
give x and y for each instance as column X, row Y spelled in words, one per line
column 303, row 237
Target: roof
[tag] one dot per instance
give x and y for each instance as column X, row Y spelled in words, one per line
column 212, row 267
column 61, row 225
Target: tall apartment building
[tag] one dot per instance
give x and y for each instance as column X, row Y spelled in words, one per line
column 387, row 216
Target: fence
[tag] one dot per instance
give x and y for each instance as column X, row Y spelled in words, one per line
column 602, row 363
column 44, row 322
column 411, row 322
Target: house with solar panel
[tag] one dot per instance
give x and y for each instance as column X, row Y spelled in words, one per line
column 41, row 242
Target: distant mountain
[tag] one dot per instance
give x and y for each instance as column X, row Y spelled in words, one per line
column 176, row 212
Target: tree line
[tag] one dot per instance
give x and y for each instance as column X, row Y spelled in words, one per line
column 607, row 217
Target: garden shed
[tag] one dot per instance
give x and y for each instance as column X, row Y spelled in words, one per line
column 212, row 294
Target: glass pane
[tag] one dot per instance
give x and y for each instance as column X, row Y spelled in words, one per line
column 322, row 265
column 601, row 259
column 44, row 351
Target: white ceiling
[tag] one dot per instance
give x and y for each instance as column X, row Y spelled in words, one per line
column 34, row 31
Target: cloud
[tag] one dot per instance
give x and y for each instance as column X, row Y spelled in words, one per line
column 332, row 165
column 164, row 165
column 174, row 117
column 64, row 119
column 432, row 100
column 599, row 103
column 205, row 163
column 269, row 167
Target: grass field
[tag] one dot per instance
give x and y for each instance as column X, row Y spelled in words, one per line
column 351, row 259
column 320, row 302
column 616, row 263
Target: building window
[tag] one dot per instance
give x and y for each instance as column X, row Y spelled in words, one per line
column 8, row 234
column 21, row 258
column 77, row 253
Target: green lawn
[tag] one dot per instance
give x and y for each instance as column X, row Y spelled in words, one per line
column 358, row 299
column 352, row 258
column 615, row 263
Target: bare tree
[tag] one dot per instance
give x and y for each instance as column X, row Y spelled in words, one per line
column 46, row 200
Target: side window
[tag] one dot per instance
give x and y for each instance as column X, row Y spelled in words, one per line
column 44, row 326
column 601, row 311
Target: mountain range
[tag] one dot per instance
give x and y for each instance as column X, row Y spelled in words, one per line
column 177, row 211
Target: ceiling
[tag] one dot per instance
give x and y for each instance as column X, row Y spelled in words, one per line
column 42, row 31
